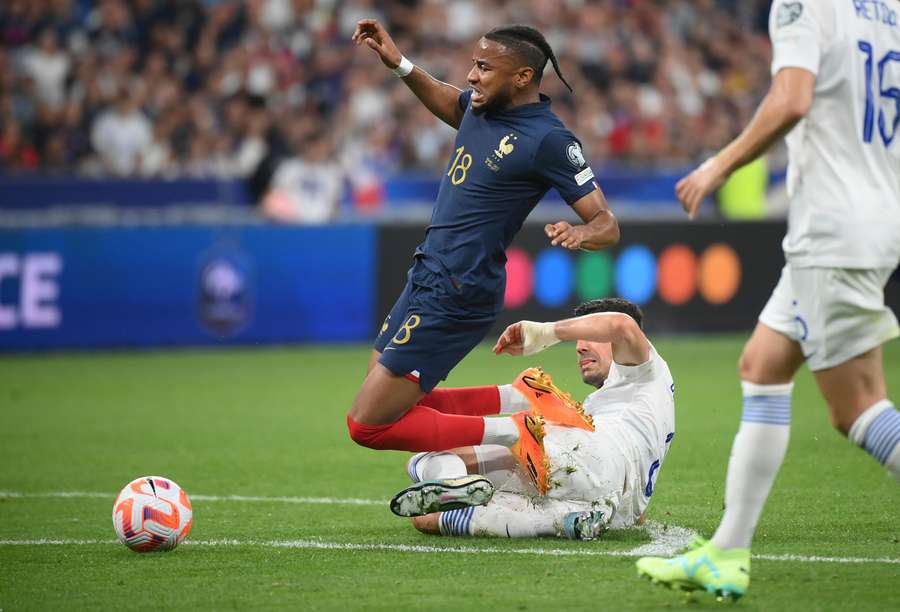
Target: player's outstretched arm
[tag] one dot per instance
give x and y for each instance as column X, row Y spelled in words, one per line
column 787, row 102
column 442, row 99
column 600, row 228
column 629, row 344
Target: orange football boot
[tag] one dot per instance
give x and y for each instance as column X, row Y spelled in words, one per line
column 529, row 450
column 549, row 401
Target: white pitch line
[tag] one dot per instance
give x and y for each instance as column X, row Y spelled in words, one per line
column 331, row 501
column 664, row 540
column 468, row 550
column 820, row 559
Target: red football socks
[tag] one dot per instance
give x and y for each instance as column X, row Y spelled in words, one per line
column 421, row 429
column 471, row 401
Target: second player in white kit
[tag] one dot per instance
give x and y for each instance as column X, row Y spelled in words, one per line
column 836, row 94
column 609, row 473
column 843, row 239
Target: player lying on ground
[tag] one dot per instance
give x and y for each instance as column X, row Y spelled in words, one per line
column 509, row 151
column 600, row 476
column 836, row 68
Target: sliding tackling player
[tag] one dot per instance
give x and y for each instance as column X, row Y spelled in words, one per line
column 604, row 461
column 509, row 151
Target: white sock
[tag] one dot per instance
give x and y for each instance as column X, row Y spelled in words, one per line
column 435, row 466
column 507, row 516
column 877, row 431
column 511, row 400
column 496, row 464
column 500, row 430
column 756, row 456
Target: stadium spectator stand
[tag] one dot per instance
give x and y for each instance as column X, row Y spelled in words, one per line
column 230, row 89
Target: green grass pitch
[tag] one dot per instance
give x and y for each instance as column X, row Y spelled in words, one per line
column 270, row 423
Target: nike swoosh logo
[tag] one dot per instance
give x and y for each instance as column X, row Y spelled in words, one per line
column 390, row 348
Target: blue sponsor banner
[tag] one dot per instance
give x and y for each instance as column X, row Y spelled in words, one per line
column 33, row 191
column 84, row 288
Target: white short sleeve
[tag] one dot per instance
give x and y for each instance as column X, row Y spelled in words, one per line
column 641, row 372
column 799, row 30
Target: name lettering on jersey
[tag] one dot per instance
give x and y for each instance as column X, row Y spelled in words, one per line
column 788, row 13
column 875, row 10
column 504, row 148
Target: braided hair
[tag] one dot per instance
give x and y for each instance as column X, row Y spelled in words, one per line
column 530, row 45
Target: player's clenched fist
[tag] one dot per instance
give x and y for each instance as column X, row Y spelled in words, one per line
column 510, row 340
column 565, row 234
column 526, row 338
column 373, row 35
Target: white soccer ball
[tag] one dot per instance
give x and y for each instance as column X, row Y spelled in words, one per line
column 152, row 514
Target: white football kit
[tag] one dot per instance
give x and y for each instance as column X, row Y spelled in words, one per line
column 612, row 469
column 843, row 238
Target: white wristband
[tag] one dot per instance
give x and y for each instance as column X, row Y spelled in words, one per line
column 404, row 68
column 537, row 336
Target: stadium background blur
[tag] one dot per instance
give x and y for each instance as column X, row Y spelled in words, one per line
column 165, row 88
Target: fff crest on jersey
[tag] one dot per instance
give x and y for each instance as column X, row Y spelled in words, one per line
column 225, row 292
column 504, row 148
column 576, row 157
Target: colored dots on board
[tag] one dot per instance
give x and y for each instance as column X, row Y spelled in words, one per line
column 677, row 274
column 720, row 274
column 634, row 273
column 594, row 275
column 519, row 278
column 553, row 277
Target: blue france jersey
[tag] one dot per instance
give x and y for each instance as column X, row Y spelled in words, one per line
column 502, row 165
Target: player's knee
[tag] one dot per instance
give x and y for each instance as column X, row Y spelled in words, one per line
column 427, row 524
column 369, row 436
column 747, row 366
column 467, row 454
column 761, row 368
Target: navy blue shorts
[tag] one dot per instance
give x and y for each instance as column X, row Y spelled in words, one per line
column 426, row 333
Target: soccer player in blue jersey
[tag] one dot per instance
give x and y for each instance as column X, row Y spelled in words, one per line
column 509, row 151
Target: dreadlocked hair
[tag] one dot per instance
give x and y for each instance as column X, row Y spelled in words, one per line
column 529, row 44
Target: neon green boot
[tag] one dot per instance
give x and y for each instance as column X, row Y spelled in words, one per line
column 724, row 573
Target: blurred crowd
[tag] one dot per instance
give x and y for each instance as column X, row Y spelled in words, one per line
column 273, row 91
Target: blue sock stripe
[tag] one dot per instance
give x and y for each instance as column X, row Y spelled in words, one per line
column 456, row 522
column 766, row 421
column 767, row 409
column 771, row 400
column 786, row 410
column 470, row 512
column 883, row 435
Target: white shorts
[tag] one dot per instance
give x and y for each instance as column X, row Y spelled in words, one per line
column 585, row 476
column 835, row 314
